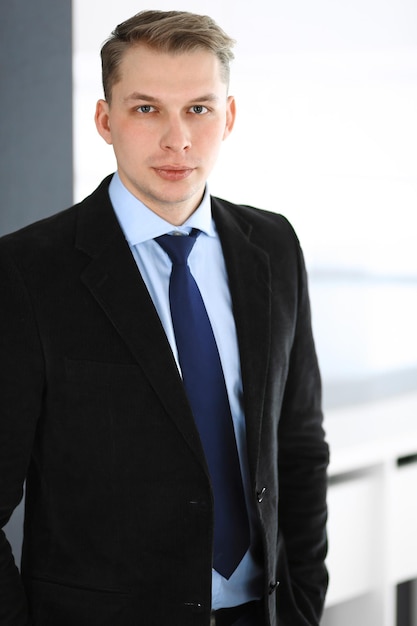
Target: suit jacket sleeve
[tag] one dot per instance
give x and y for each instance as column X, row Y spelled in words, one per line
column 303, row 461
column 21, row 381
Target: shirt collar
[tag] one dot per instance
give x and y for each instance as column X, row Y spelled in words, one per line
column 140, row 224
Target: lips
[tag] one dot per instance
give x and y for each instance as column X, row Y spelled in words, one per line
column 173, row 172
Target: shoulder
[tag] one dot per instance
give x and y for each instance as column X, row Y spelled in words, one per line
column 58, row 232
column 36, row 250
column 253, row 215
column 265, row 227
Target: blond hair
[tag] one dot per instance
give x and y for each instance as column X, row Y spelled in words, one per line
column 167, row 31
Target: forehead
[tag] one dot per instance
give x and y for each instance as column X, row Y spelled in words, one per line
column 163, row 72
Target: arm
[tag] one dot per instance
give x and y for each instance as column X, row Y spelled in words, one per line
column 21, row 382
column 303, row 460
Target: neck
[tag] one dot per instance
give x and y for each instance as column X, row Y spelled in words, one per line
column 175, row 214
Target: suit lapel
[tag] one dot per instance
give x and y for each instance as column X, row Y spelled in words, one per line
column 115, row 282
column 249, row 280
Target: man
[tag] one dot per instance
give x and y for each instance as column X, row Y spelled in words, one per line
column 124, row 509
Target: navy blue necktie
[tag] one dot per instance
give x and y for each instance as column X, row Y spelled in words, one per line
column 206, row 391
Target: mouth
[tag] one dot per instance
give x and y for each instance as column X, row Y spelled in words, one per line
column 173, row 172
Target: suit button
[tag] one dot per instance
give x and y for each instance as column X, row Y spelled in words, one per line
column 273, row 586
column 195, row 607
column 260, row 494
column 200, row 505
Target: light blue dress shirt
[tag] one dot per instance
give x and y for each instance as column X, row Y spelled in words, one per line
column 140, row 226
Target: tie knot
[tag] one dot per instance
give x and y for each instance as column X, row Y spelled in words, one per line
column 178, row 247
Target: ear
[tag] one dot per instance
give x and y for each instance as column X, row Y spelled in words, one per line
column 230, row 116
column 102, row 120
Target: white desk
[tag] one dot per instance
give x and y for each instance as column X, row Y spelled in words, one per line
column 372, row 509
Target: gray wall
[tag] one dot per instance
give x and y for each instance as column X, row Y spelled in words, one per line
column 36, row 177
column 36, row 110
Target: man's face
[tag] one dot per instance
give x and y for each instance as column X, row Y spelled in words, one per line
column 166, row 121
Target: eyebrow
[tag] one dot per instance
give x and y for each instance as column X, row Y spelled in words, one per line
column 136, row 95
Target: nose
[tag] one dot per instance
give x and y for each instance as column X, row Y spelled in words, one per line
column 175, row 136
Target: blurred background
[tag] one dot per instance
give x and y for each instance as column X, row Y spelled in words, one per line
column 326, row 134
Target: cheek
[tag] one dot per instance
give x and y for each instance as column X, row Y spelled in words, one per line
column 211, row 139
column 128, row 138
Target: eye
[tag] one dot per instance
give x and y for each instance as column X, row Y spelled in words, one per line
column 198, row 109
column 145, row 108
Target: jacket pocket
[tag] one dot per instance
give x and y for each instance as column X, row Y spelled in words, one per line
column 56, row 604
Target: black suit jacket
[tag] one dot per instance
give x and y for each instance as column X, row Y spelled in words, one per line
column 118, row 523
